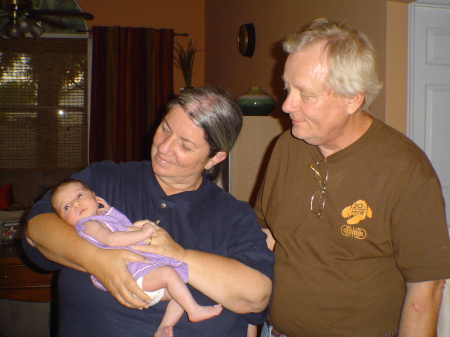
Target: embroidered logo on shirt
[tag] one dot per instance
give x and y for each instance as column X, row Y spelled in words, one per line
column 354, row 232
column 357, row 212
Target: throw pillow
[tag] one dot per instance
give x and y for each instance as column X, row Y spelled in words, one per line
column 6, row 196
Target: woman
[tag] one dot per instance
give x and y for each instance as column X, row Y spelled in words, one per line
column 199, row 224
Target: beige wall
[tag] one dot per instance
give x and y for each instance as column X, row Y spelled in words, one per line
column 396, row 65
column 214, row 25
column 184, row 16
column 274, row 19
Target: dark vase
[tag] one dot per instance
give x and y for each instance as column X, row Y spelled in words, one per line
column 256, row 102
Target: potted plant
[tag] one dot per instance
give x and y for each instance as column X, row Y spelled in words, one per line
column 184, row 60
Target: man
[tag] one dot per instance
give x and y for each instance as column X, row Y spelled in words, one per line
column 355, row 208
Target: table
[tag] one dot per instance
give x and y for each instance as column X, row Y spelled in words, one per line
column 20, row 280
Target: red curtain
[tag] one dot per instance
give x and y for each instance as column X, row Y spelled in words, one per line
column 132, row 82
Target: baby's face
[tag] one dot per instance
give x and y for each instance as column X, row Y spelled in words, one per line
column 74, row 202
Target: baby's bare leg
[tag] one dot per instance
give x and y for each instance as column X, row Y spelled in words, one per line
column 173, row 314
column 167, row 277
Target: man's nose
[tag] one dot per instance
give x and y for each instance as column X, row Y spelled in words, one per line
column 289, row 104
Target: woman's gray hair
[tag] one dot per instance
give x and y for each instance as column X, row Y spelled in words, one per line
column 215, row 111
column 351, row 57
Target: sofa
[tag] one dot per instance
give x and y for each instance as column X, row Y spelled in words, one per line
column 21, row 188
column 28, row 185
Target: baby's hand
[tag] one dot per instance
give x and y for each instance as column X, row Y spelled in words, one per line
column 149, row 228
column 105, row 206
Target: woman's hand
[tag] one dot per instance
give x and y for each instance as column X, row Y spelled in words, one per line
column 109, row 266
column 162, row 243
column 235, row 286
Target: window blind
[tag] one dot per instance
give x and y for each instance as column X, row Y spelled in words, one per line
column 43, row 103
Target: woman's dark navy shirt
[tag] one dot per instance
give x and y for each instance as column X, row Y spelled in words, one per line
column 208, row 219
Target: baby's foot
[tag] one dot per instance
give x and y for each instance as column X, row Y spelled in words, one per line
column 164, row 331
column 203, row 313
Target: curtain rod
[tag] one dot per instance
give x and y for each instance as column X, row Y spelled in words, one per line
column 90, row 31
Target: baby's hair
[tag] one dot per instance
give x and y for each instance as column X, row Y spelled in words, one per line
column 62, row 184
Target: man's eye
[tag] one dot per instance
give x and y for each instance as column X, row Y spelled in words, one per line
column 80, row 195
column 66, row 208
column 308, row 99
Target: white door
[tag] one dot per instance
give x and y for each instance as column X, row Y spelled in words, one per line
column 429, row 101
column 429, row 92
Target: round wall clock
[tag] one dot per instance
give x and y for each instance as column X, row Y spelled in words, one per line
column 246, row 39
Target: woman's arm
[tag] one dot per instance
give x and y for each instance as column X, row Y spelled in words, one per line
column 234, row 285
column 59, row 242
column 45, row 232
column 237, row 287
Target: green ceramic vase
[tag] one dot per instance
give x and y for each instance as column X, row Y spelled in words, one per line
column 256, row 102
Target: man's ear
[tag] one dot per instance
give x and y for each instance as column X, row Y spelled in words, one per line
column 354, row 103
column 216, row 159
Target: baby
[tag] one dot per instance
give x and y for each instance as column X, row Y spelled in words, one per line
column 163, row 278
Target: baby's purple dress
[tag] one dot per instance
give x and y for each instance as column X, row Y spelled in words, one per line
column 116, row 221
